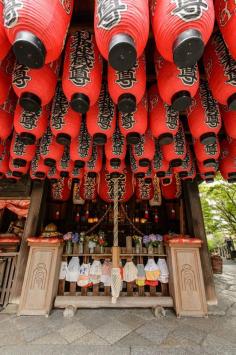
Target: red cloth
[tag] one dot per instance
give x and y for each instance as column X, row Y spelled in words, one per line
column 20, row 207
column 44, row 240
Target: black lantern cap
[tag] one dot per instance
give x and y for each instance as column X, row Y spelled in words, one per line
column 188, row 48
column 29, row 50
column 122, row 52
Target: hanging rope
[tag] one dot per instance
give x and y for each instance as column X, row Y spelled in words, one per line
column 98, row 223
column 116, row 212
column 129, row 220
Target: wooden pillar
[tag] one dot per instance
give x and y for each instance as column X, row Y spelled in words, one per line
column 29, row 231
column 196, row 228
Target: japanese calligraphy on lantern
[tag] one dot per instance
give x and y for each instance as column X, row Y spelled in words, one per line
column 106, row 110
column 92, row 161
column 211, row 149
column 127, row 120
column 189, row 10
column 20, row 76
column 121, row 186
column 172, row 117
column 179, row 141
column 29, row 119
column 188, row 75
column 84, row 140
column 229, row 64
column 82, row 58
column 46, row 141
column 117, row 142
column 90, row 188
column 109, row 13
column 139, row 147
column 19, row 146
column 11, row 12
column 212, row 117
column 65, row 160
column 59, row 109
column 66, row 4
column 127, row 78
column 226, row 11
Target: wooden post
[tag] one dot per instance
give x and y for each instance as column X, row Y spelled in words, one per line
column 196, row 228
column 30, row 230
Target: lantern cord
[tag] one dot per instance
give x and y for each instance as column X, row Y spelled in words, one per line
column 129, row 220
column 99, row 222
column 116, row 212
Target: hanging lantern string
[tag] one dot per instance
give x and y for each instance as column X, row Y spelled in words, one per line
column 99, row 222
column 129, row 220
column 116, row 212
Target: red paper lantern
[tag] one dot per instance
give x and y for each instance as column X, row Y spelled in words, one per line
column 53, row 175
column 4, row 158
column 37, row 29
column 5, row 45
column 6, row 116
column 106, row 186
column 229, row 121
column 191, row 174
column 226, row 18
column 77, row 174
column 34, row 87
column 220, row 71
column 207, row 172
column 182, row 29
column 186, row 165
column 115, row 148
column 164, row 120
column 227, row 168
column 30, row 125
column 137, row 170
column 128, row 87
column 115, row 170
column 167, row 179
column 20, row 152
column 18, row 170
column 6, row 69
column 38, row 168
column 207, row 154
column 61, row 190
column 88, row 187
column 65, row 165
column 175, row 152
column 64, row 122
column 144, row 191
column 133, row 125
column 94, row 165
column 81, row 147
column 171, row 190
column 10, row 177
column 160, row 166
column 82, row 73
column 50, row 150
column 177, row 86
column 121, row 30
column 101, row 118
column 144, row 151
column 204, row 118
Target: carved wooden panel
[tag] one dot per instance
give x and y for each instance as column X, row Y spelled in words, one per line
column 41, row 280
column 186, row 283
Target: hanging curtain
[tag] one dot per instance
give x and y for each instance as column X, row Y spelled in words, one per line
column 19, row 207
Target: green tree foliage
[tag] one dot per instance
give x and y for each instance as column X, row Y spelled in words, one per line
column 219, row 210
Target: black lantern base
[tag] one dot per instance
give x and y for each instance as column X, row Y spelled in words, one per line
column 188, row 48
column 122, row 52
column 29, row 50
column 80, row 103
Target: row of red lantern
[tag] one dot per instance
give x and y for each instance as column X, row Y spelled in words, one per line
column 121, row 29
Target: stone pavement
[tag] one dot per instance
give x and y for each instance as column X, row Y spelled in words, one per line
column 127, row 331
